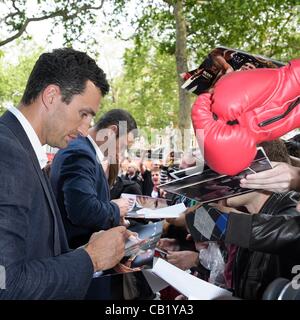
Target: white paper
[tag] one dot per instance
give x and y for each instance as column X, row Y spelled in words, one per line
column 154, row 281
column 162, row 213
column 190, row 286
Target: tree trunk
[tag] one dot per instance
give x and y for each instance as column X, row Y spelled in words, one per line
column 181, row 65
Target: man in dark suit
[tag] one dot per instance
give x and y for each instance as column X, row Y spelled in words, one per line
column 82, row 191
column 62, row 94
column 80, row 183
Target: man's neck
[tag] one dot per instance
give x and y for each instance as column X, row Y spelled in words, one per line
column 34, row 117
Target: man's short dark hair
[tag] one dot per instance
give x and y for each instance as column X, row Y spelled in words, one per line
column 114, row 117
column 276, row 150
column 67, row 68
column 293, row 146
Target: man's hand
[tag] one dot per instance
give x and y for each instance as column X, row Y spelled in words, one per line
column 183, row 260
column 163, row 193
column 168, row 244
column 282, row 178
column 178, row 222
column 124, row 222
column 201, row 245
column 222, row 206
column 123, row 204
column 106, row 248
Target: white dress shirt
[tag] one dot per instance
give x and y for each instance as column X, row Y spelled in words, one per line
column 32, row 136
column 99, row 154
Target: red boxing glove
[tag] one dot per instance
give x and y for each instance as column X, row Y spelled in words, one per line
column 246, row 108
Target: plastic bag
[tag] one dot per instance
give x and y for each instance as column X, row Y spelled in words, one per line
column 212, row 259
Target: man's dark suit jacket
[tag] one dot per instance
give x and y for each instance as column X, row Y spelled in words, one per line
column 33, row 247
column 82, row 192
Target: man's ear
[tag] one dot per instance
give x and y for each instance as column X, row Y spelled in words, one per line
column 50, row 95
column 113, row 128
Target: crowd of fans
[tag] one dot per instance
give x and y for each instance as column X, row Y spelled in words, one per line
column 247, row 273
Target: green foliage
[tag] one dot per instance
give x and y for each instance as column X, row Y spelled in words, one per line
column 147, row 89
column 267, row 27
column 13, row 78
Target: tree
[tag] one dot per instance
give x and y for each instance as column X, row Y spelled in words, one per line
column 157, row 13
column 72, row 14
column 181, row 62
column 267, row 27
column 147, row 88
column 189, row 29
